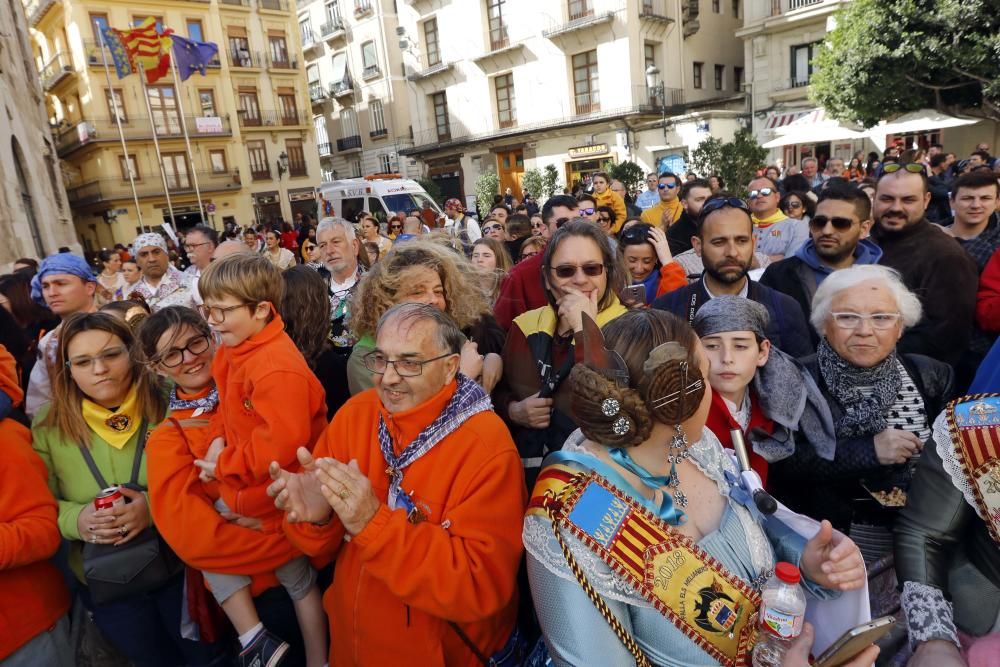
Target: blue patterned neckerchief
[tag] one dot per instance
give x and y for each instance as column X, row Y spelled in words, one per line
column 469, row 399
column 199, row 405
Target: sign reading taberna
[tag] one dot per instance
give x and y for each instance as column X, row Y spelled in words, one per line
column 593, row 150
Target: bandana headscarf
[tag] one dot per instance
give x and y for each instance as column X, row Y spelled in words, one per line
column 62, row 263
column 116, row 428
column 149, row 239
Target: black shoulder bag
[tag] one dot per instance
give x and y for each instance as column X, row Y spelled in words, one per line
column 143, row 564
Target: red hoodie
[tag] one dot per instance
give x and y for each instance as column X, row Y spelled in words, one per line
column 720, row 420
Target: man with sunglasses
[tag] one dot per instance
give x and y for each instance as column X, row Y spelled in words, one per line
column 932, row 265
column 838, row 239
column 725, row 243
column 669, row 209
column 523, row 291
column 778, row 236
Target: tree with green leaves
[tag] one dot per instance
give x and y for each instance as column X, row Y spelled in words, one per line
column 629, row 173
column 890, row 57
column 533, row 181
column 433, row 190
column 736, row 161
column 487, row 187
column 550, row 182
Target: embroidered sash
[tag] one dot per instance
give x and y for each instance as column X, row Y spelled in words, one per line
column 714, row 608
column 974, row 424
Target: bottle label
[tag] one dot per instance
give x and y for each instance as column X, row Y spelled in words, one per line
column 781, row 624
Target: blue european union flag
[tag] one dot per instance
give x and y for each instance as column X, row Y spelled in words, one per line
column 119, row 55
column 192, row 56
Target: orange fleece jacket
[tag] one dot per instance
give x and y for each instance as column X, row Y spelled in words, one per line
column 613, row 200
column 32, row 593
column 270, row 404
column 183, row 510
column 396, row 584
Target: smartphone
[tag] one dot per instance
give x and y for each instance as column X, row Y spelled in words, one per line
column 855, row 641
column 635, row 294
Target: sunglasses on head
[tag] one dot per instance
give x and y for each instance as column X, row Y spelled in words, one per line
column 763, row 192
column 912, row 167
column 840, row 224
column 666, row 186
column 569, row 270
column 716, row 203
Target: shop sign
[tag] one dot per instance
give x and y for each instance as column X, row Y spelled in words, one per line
column 593, row 150
column 301, row 195
column 266, row 198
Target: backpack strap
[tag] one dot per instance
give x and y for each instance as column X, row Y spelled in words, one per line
column 136, row 460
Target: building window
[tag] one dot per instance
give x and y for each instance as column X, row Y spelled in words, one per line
column 649, row 55
column 124, row 167
column 506, row 111
column 356, row 168
column 259, row 169
column 206, row 100
column 341, row 77
column 736, row 9
column 585, row 87
column 163, row 103
column 175, row 170
column 249, row 111
column 369, row 60
column 579, row 8
column 116, row 104
column 333, row 14
column 498, row 28
column 138, row 21
column 286, row 104
column 697, row 75
column 217, row 158
column 440, row 103
column 322, row 138
column 717, row 6
column 348, row 123
column 278, row 47
column 431, row 42
column 385, row 163
column 195, row 30
column 802, row 68
column 738, row 78
column 97, row 22
column 720, row 77
column 377, row 112
column 306, row 32
column 239, row 47
column 296, row 157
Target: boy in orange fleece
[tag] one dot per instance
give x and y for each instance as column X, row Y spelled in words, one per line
column 270, row 404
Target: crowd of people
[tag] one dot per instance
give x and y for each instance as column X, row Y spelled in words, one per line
column 509, row 441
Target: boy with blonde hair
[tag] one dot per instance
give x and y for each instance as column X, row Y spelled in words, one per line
column 270, row 404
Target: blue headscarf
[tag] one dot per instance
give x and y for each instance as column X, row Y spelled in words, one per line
column 61, row 263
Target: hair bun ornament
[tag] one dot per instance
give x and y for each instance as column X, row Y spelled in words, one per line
column 610, row 407
column 673, row 388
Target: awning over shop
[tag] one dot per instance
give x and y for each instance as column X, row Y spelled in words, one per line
column 916, row 121
column 806, row 127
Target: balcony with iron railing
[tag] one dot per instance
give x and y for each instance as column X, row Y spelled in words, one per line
column 333, row 29
column 260, row 173
column 96, row 59
column 167, row 126
column 325, row 149
column 281, row 61
column 317, row 93
column 782, row 6
column 112, row 189
column 309, row 40
column 791, row 84
column 584, row 19
column 296, row 169
column 349, row 143
column 236, row 3
column 362, row 8
column 270, row 119
column 245, row 59
column 342, row 88
column 37, row 9
column 370, row 72
column 273, row 5
column 379, row 133
column 656, row 10
column 54, row 71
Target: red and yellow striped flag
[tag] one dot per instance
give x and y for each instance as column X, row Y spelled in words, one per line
column 149, row 48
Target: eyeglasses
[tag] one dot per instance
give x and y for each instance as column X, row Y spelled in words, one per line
column 395, row 226
column 763, row 192
column 569, row 270
column 492, row 228
column 377, row 362
column 820, row 221
column 715, row 203
column 218, row 313
column 526, row 255
column 106, row 357
column 879, row 321
column 537, row 225
column 604, row 218
column 587, row 211
column 192, row 246
column 175, row 355
column 666, row 186
column 911, row 167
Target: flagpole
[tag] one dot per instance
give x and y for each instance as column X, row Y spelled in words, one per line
column 187, row 139
column 156, row 143
column 121, row 132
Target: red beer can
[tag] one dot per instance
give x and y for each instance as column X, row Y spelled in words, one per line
column 108, row 498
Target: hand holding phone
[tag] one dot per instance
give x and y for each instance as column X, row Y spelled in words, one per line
column 853, row 642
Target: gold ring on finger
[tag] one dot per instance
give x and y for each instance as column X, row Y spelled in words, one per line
column 343, row 494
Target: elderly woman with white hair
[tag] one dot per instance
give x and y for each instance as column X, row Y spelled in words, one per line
column 882, row 402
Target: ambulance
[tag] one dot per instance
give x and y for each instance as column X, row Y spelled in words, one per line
column 378, row 194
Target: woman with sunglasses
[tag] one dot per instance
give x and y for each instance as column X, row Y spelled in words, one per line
column 651, row 268
column 395, row 226
column 797, row 205
column 105, row 403
column 581, row 274
column 605, row 196
column 532, row 246
column 310, row 253
column 538, row 227
column 495, row 228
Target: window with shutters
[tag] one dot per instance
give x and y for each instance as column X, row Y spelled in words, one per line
column 506, row 112
column 498, row 26
column 249, row 111
column 257, row 153
column 116, row 104
column 696, row 80
column 431, row 42
column 585, row 83
column 440, row 104
column 124, row 167
column 296, row 157
column 377, row 112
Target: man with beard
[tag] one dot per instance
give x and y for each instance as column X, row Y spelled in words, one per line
column 932, row 264
column 161, row 284
column 838, row 239
column 693, row 196
column 725, row 243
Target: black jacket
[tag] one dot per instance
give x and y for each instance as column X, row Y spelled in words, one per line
column 939, row 210
column 826, row 489
column 787, row 329
column 797, row 279
column 679, row 234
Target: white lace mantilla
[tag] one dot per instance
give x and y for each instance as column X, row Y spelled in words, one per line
column 946, row 450
column 928, row 614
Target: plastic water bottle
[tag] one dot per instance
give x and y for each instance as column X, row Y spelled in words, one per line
column 781, row 616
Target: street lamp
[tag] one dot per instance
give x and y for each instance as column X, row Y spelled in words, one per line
column 657, row 92
column 282, row 163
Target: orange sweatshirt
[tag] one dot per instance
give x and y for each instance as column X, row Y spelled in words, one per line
column 397, row 583
column 270, row 404
column 32, row 593
column 183, row 510
column 613, row 200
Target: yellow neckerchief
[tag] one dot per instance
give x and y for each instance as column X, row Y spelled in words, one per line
column 116, row 428
column 545, row 319
column 763, row 223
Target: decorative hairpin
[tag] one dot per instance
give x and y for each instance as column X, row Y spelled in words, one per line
column 611, row 407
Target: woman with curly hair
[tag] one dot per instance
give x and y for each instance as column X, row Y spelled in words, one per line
column 423, row 271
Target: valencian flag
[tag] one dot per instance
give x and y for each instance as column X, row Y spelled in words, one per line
column 148, row 48
column 192, row 56
column 119, row 54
